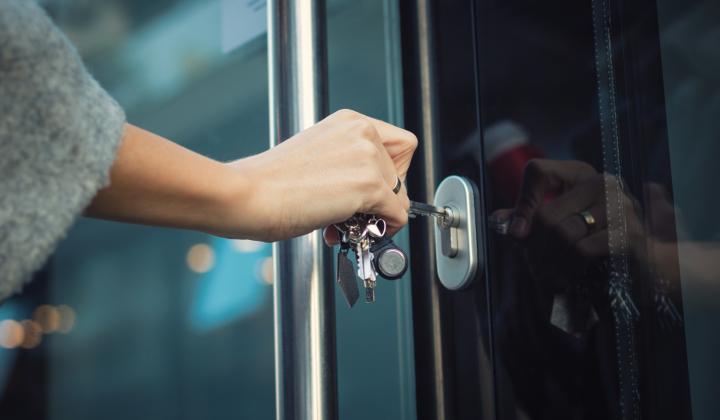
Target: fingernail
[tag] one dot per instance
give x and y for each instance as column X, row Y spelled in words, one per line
column 518, row 227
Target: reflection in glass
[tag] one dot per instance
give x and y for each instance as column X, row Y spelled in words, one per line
column 597, row 146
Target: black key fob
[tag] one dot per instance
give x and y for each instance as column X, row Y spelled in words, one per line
column 389, row 260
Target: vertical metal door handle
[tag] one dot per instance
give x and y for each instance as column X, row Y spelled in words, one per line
column 304, row 304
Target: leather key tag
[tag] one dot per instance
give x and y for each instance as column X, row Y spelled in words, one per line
column 346, row 278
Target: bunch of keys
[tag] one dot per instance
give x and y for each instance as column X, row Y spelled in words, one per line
column 375, row 253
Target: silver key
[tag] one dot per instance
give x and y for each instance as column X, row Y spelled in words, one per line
column 422, row 209
column 369, row 275
column 376, row 229
column 360, row 255
column 360, row 232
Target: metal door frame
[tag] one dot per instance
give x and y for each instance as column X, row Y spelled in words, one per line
column 440, row 325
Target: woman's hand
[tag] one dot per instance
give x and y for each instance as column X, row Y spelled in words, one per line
column 346, row 163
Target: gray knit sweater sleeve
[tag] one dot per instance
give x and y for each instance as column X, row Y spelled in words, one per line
column 59, row 132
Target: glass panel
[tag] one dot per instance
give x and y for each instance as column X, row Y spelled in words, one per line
column 157, row 323
column 689, row 36
column 374, row 341
column 603, row 294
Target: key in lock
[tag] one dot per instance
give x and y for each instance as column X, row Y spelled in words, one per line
column 457, row 232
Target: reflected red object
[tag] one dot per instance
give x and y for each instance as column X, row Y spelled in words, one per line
column 506, row 173
column 507, row 151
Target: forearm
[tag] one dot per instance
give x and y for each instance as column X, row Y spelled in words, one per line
column 157, row 182
column 320, row 176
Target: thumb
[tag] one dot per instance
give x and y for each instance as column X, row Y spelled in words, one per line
column 531, row 196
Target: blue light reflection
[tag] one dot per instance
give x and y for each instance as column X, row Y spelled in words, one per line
column 234, row 288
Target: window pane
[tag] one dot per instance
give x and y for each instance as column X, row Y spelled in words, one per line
column 159, row 323
column 601, row 295
column 689, row 36
column 374, row 341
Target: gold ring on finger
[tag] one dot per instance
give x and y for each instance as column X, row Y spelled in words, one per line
column 588, row 219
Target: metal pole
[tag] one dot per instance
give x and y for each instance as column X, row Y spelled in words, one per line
column 305, row 365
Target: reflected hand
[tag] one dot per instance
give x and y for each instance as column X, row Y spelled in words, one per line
column 346, row 163
column 570, row 230
column 543, row 177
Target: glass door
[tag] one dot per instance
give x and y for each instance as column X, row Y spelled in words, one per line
column 375, row 362
column 148, row 323
column 591, row 129
column 587, row 313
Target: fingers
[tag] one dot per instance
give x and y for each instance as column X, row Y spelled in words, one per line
column 499, row 219
column 542, row 177
column 572, row 202
column 393, row 150
column 366, row 129
column 393, row 209
column 395, row 205
column 536, row 183
column 391, row 206
column 399, row 143
column 574, row 228
column 390, row 171
column 399, row 146
column 390, row 131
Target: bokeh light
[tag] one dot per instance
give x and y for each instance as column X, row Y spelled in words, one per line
column 48, row 317
column 247, row 245
column 11, row 334
column 200, row 258
column 67, row 319
column 32, row 334
column 267, row 269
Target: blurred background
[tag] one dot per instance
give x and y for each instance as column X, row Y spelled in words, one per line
column 136, row 322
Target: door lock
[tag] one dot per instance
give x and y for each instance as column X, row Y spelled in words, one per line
column 457, row 233
column 448, row 232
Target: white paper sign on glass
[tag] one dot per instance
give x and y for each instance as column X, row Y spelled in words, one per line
column 242, row 21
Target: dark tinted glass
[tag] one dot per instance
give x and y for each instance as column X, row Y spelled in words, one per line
column 597, row 143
